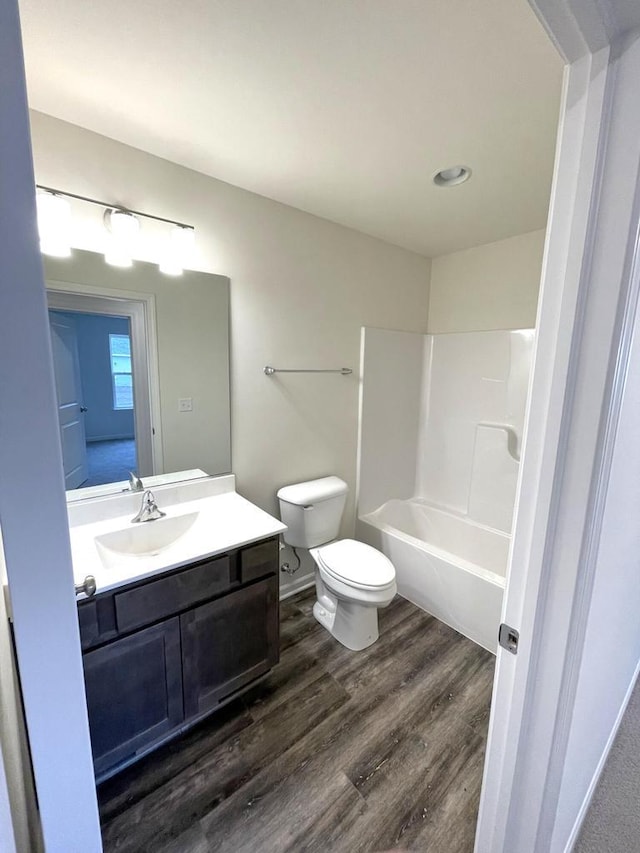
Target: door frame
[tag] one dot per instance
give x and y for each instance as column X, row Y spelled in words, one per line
column 33, row 510
column 587, row 306
column 140, row 309
column 38, row 555
column 59, row 326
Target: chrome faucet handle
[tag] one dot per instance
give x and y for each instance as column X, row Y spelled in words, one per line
column 135, row 483
column 88, row 586
column 149, row 509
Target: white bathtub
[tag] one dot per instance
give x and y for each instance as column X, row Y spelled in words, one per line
column 446, row 564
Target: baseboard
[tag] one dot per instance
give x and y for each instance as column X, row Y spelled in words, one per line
column 577, row 826
column 96, row 438
column 305, row 582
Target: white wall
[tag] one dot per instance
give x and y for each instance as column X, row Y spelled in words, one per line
column 301, row 288
column 494, row 286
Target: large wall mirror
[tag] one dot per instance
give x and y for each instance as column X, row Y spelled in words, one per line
column 141, row 364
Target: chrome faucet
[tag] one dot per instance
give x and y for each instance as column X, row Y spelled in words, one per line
column 135, row 483
column 149, row 509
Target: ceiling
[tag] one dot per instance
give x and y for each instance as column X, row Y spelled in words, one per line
column 342, row 108
column 623, row 16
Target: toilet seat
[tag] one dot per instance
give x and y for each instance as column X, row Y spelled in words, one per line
column 357, row 565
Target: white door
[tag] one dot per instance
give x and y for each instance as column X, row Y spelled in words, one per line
column 66, row 368
column 140, row 309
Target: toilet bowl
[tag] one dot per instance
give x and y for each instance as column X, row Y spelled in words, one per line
column 352, row 581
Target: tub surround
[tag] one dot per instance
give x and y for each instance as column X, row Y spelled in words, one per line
column 474, row 392
column 223, row 520
column 450, row 432
column 450, row 435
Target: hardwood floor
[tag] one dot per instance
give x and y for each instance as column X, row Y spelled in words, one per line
column 335, row 751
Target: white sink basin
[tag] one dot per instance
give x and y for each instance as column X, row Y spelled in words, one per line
column 145, row 539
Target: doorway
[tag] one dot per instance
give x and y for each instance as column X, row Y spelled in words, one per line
column 100, row 349
column 94, row 387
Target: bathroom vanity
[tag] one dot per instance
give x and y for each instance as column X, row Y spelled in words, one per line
column 171, row 636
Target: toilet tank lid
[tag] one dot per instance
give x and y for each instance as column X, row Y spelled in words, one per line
column 313, row 491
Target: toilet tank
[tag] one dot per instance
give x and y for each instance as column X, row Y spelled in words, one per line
column 312, row 511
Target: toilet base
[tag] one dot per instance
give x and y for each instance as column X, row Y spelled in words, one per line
column 353, row 625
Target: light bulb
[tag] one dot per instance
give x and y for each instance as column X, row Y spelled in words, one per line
column 452, row 173
column 452, row 176
column 54, row 224
column 178, row 250
column 123, row 227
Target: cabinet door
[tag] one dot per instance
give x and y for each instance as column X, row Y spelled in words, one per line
column 227, row 643
column 134, row 692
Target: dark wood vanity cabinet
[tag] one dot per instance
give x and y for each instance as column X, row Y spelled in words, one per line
column 163, row 652
column 134, row 692
column 221, row 654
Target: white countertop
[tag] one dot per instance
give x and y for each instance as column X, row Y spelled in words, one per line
column 225, row 521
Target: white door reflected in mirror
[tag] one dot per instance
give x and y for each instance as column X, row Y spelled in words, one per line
column 71, row 411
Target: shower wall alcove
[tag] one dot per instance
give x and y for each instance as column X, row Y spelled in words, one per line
column 441, row 421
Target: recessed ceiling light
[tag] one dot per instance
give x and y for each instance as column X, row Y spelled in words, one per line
column 452, row 176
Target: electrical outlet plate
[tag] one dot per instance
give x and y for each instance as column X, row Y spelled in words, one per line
column 185, row 404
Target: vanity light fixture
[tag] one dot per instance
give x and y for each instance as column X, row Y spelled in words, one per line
column 178, row 250
column 452, row 176
column 123, row 228
column 123, row 225
column 54, row 224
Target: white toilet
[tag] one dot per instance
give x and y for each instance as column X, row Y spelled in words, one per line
column 352, row 579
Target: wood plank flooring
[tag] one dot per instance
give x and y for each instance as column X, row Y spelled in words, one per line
column 333, row 752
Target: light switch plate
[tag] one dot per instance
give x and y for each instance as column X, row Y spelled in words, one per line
column 185, row 404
